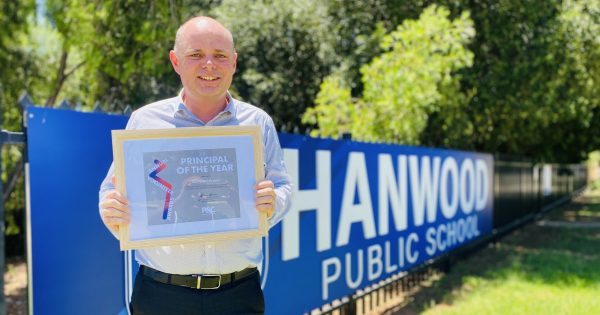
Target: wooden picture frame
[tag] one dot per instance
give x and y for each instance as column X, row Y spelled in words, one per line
column 188, row 185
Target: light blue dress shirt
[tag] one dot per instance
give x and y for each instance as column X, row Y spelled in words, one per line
column 218, row 257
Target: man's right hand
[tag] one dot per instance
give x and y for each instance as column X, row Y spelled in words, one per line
column 114, row 210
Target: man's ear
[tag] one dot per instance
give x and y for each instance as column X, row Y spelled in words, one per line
column 174, row 61
column 235, row 55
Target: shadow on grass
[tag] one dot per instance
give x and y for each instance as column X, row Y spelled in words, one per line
column 16, row 303
column 562, row 257
column 556, row 256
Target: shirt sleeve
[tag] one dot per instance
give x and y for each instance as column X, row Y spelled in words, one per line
column 106, row 186
column 276, row 172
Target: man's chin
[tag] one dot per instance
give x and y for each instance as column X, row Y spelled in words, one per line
column 210, row 93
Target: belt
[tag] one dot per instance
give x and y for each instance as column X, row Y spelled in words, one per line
column 197, row 281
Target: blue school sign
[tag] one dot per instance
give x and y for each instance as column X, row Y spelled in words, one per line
column 361, row 213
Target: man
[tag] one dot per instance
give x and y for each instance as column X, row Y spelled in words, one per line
column 205, row 59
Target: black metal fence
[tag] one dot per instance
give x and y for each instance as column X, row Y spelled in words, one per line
column 519, row 196
column 11, row 138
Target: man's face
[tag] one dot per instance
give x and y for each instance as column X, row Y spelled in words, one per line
column 205, row 61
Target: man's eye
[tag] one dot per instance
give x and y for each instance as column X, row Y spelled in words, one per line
column 197, row 55
column 221, row 56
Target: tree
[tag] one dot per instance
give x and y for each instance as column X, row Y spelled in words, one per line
column 118, row 48
column 414, row 78
column 16, row 68
column 530, row 91
column 285, row 48
column 15, row 75
column 533, row 75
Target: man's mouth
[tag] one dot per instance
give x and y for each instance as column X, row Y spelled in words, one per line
column 208, row 78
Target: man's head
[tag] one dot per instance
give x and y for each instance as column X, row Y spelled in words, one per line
column 204, row 58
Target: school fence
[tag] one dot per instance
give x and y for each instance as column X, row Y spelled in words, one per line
column 368, row 221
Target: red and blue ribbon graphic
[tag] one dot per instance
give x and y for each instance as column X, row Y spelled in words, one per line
column 167, row 187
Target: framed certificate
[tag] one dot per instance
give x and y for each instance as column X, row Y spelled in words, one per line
column 189, row 184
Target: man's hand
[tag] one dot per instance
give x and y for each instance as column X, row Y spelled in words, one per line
column 265, row 197
column 114, row 210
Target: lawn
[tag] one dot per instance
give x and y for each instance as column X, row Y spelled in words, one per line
column 539, row 269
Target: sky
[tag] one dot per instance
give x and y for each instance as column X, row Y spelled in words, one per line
column 40, row 10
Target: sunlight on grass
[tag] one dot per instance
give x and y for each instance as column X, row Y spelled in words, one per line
column 594, row 189
column 560, row 277
column 518, row 295
column 537, row 271
column 589, row 213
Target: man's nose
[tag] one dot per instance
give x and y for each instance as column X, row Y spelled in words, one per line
column 209, row 63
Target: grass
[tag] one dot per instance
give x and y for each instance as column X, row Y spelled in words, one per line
column 536, row 270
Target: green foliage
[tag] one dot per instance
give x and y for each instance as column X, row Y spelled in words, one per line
column 126, row 49
column 116, row 51
column 341, row 110
column 594, row 158
column 15, row 76
column 15, row 70
column 414, row 78
column 534, row 74
column 357, row 39
column 130, row 52
column 531, row 90
column 285, row 48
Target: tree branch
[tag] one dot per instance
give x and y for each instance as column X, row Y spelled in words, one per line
column 12, row 179
column 60, row 78
column 74, row 69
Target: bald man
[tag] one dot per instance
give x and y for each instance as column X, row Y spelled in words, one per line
column 218, row 277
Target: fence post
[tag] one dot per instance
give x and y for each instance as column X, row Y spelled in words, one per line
column 2, row 228
column 352, row 305
column 6, row 137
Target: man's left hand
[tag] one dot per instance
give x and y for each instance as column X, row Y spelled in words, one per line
column 265, row 197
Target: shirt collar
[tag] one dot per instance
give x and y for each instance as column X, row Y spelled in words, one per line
column 181, row 109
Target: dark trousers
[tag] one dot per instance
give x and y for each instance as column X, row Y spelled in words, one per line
column 150, row 297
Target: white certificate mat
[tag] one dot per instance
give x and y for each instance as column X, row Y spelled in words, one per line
column 189, row 184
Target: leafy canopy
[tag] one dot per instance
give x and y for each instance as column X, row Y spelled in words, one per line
column 413, row 78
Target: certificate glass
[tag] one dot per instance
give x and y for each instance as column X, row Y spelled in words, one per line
column 189, row 184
